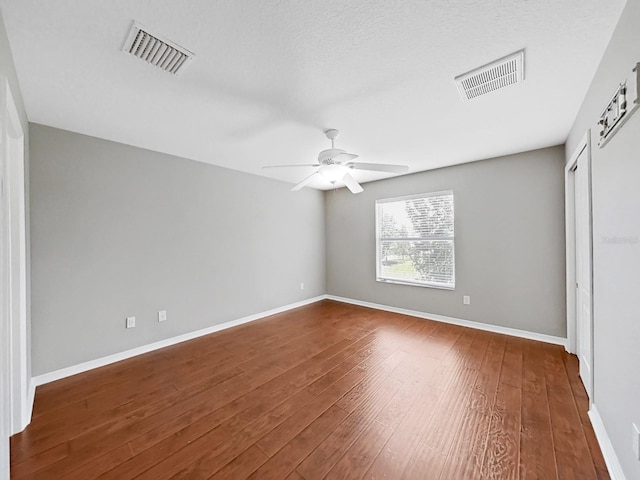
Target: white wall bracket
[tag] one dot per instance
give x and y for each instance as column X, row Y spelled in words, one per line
column 623, row 104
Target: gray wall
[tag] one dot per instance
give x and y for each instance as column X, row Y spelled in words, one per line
column 616, row 244
column 120, row 231
column 509, row 246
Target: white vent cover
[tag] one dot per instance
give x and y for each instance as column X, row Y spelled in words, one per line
column 156, row 50
column 499, row 74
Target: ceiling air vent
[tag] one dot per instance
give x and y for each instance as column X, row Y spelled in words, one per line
column 156, row 50
column 499, row 74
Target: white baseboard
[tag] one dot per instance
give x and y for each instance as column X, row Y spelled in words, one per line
column 116, row 357
column 609, row 454
column 541, row 337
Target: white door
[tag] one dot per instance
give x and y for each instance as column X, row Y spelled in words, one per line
column 584, row 322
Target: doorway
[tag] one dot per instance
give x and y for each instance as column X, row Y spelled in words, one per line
column 579, row 261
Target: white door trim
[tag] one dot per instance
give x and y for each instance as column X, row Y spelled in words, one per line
column 12, row 142
column 570, row 241
column 570, row 250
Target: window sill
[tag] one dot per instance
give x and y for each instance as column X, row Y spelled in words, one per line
column 416, row 284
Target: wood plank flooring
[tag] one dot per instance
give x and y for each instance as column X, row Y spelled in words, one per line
column 329, row 390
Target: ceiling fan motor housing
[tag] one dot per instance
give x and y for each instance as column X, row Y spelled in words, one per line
column 326, row 157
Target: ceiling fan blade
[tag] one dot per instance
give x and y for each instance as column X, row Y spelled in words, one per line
column 298, row 165
column 378, row 167
column 344, row 157
column 351, row 183
column 304, row 182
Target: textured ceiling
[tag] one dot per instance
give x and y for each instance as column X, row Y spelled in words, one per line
column 269, row 76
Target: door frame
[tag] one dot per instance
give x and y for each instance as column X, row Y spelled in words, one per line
column 12, row 144
column 570, row 238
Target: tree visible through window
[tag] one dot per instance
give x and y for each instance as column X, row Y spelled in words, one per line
column 415, row 240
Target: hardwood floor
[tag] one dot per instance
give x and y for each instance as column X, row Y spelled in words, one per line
column 329, row 390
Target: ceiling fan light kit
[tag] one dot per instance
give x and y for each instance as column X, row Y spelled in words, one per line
column 335, row 164
column 333, row 172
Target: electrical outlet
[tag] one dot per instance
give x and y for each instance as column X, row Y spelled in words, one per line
column 131, row 322
column 162, row 315
column 466, row 300
column 301, row 285
column 635, row 441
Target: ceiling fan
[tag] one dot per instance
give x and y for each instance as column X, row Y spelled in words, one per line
column 334, row 165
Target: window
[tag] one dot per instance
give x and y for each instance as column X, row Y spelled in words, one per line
column 415, row 240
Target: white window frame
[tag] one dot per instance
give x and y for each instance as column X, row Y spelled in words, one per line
column 379, row 276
